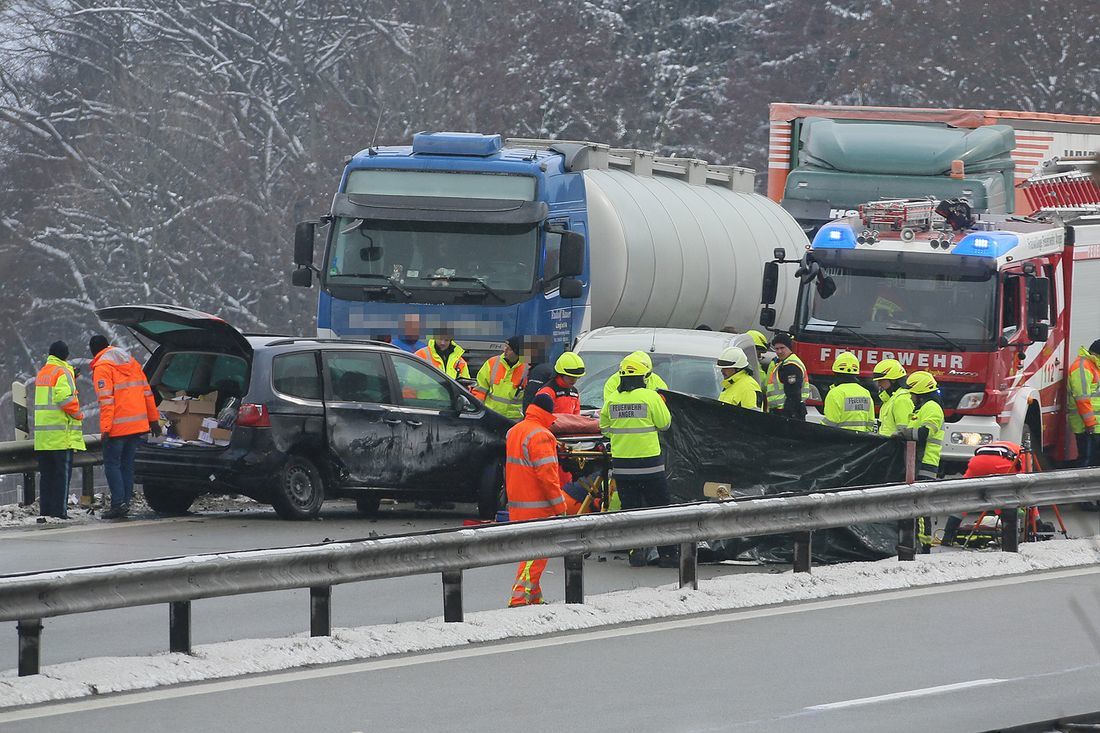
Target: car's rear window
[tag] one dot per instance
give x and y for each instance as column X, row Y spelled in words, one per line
column 297, row 375
column 199, row 373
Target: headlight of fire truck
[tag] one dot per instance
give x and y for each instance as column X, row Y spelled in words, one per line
column 974, row 439
column 970, row 400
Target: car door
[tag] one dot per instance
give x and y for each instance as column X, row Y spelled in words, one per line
column 364, row 428
column 446, row 449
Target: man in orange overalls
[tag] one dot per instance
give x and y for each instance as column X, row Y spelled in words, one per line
column 532, row 481
column 126, row 412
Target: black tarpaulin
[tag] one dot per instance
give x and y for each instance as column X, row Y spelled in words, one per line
column 760, row 454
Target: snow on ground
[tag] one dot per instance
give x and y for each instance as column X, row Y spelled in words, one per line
column 16, row 515
column 117, row 674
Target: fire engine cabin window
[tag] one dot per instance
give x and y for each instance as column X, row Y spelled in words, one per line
column 421, row 387
column 1010, row 306
column 887, row 298
column 357, row 377
column 296, row 375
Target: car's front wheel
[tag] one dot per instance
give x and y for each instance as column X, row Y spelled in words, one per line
column 164, row 500
column 300, row 490
column 490, row 491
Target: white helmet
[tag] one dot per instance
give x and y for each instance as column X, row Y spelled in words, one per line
column 733, row 357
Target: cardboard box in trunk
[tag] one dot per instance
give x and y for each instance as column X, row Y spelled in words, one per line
column 185, row 414
column 212, row 434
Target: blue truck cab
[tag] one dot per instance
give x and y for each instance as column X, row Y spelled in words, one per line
column 459, row 230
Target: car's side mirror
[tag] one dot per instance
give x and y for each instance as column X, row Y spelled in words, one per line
column 465, row 404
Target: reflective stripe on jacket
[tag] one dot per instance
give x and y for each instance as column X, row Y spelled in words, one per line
column 1083, row 381
column 126, row 405
column 895, row 411
column 777, row 398
column 848, row 406
column 454, row 368
column 531, row 477
column 742, row 390
column 611, row 386
column 57, row 412
column 632, row 420
column 503, row 386
column 929, row 415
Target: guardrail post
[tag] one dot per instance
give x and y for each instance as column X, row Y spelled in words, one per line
column 452, row 596
column 907, row 528
column 30, row 643
column 689, row 565
column 30, row 493
column 907, row 539
column 320, row 610
column 87, row 488
column 179, row 627
column 574, row 578
column 1010, row 530
column 802, row 554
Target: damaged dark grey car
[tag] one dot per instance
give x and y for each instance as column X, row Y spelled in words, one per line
column 315, row 419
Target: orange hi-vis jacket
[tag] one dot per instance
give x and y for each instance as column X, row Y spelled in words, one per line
column 531, row 476
column 126, row 405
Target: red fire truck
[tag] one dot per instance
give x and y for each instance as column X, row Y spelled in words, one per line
column 995, row 306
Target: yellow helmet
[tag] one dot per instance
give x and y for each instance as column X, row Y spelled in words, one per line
column 888, row 369
column 570, row 364
column 921, row 383
column 758, row 339
column 635, row 365
column 846, row 363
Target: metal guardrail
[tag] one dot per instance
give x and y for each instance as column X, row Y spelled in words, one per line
column 17, row 456
column 29, row 597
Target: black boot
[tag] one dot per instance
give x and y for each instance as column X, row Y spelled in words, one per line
column 951, row 530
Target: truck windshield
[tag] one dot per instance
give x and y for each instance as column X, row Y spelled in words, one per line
column 432, row 255
column 946, row 310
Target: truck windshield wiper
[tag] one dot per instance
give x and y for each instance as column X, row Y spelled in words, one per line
column 462, row 279
column 940, row 334
column 852, row 330
column 379, row 276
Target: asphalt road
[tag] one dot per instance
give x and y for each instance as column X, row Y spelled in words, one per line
column 967, row 657
column 144, row 630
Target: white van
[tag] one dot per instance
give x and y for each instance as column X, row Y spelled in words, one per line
column 684, row 358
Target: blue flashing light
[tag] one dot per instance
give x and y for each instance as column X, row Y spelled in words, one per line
column 986, row 244
column 456, row 143
column 835, row 236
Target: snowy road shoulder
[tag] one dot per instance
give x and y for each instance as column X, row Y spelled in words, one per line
column 103, row 675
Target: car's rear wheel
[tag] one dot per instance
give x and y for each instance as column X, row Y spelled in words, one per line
column 164, row 500
column 300, row 491
column 490, row 491
column 368, row 505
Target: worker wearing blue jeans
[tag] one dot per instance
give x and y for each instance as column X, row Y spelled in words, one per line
column 118, row 465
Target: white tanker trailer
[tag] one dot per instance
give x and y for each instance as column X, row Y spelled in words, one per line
column 541, row 238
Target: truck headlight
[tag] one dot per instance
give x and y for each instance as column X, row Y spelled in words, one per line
column 970, row 400
column 971, row 438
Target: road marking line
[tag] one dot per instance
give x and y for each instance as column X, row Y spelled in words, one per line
column 907, row 694
column 190, row 689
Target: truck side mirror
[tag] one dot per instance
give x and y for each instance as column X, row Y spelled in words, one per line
column 769, row 289
column 767, row 317
column 1038, row 331
column 1038, row 300
column 302, row 277
column 571, row 254
column 303, row 243
column 570, row 287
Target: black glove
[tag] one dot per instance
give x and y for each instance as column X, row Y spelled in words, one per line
column 155, row 429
